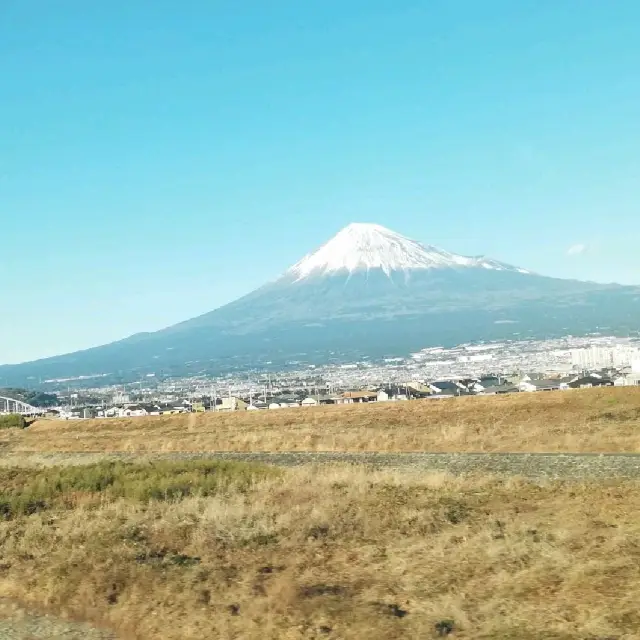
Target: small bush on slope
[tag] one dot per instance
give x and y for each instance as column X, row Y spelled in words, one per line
column 12, row 421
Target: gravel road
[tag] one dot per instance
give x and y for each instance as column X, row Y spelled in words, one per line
column 17, row 624
column 531, row 465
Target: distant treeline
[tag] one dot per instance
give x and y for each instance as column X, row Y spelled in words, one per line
column 34, row 398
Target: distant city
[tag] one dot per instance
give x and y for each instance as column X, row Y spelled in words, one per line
column 432, row 373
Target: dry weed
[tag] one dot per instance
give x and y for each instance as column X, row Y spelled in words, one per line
column 342, row 553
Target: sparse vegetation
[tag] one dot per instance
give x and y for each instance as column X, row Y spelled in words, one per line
column 323, row 553
column 596, row 420
column 12, row 421
column 25, row 491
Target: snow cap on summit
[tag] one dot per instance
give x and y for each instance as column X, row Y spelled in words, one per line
column 364, row 246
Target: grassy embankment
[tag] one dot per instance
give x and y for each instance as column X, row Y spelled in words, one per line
column 180, row 550
column 211, row 550
column 592, row 420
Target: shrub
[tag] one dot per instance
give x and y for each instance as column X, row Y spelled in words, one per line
column 445, row 627
column 12, row 421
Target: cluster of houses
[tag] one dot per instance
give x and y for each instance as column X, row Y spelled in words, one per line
column 437, row 390
column 126, row 410
column 490, row 385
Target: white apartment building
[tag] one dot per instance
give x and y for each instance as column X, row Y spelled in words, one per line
column 620, row 355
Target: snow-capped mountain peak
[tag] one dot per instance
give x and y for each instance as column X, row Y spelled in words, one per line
column 364, row 246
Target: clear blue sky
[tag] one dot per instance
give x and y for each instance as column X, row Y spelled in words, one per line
column 158, row 159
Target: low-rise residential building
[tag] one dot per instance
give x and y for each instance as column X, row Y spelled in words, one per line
column 627, row 380
column 351, row 397
column 257, row 406
column 133, row 411
column 448, row 387
column 499, row 389
column 586, row 382
column 327, row 399
column 543, row 385
column 232, row 403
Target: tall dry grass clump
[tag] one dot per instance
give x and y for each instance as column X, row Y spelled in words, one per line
column 322, row 553
column 597, row 420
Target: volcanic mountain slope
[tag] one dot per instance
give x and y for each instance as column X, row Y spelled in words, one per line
column 367, row 272
column 367, row 292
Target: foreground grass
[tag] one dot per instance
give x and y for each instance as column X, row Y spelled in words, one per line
column 591, row 420
column 24, row 492
column 332, row 553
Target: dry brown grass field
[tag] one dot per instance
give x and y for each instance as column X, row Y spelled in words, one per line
column 208, row 550
column 181, row 550
column 590, row 420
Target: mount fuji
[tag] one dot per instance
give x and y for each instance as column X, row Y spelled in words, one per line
column 367, row 292
column 364, row 247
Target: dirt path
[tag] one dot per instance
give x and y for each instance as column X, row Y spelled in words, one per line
column 531, row 465
column 17, row 624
